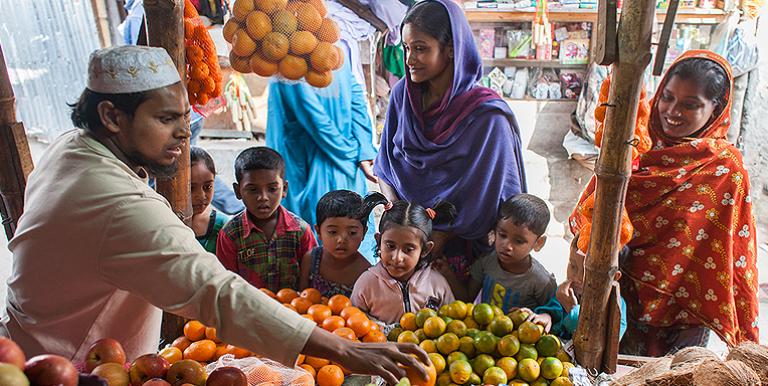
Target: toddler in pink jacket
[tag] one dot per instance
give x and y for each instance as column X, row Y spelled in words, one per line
column 404, row 280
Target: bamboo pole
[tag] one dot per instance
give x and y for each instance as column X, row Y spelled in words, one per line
column 165, row 28
column 613, row 171
column 15, row 159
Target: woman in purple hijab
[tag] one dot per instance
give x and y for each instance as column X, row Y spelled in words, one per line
column 445, row 136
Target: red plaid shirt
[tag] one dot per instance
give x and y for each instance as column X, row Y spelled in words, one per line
column 265, row 263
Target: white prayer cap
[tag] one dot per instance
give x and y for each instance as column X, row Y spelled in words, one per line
column 127, row 69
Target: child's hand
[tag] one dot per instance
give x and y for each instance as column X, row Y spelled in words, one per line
column 542, row 319
column 566, row 296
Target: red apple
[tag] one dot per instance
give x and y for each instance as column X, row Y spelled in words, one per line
column 10, row 352
column 227, row 376
column 10, row 375
column 156, row 382
column 51, row 370
column 147, row 367
column 186, row 371
column 104, row 351
column 113, row 373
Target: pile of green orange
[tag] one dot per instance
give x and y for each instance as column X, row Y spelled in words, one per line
column 479, row 345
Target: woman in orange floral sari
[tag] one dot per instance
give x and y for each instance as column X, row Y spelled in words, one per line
column 692, row 266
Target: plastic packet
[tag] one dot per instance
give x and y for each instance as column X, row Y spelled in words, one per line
column 264, row 372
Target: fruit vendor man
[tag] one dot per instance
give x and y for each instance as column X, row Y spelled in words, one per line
column 98, row 254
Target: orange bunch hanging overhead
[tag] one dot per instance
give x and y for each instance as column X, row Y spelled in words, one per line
column 291, row 39
column 203, row 71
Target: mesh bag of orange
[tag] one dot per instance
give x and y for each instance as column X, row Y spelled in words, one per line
column 264, row 372
column 287, row 39
column 203, row 71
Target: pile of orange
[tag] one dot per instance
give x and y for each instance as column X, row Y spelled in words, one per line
column 203, row 71
column 336, row 315
column 201, row 344
column 293, row 39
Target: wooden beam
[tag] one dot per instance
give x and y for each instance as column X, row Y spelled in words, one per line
column 165, row 28
column 613, row 170
column 365, row 13
column 15, row 159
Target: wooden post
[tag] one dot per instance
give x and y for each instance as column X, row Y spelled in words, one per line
column 165, row 28
column 15, row 160
column 613, row 171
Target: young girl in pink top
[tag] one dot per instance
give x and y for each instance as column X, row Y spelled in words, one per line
column 404, row 280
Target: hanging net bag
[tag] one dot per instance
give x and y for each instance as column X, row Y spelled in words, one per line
column 203, row 71
column 292, row 40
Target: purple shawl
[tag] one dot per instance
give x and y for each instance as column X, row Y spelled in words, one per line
column 466, row 150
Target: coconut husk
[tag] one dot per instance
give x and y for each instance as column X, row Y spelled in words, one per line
column 729, row 373
column 647, row 371
column 753, row 355
column 692, row 355
column 681, row 375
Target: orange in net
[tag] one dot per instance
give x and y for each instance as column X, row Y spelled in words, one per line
column 229, row 29
column 319, row 79
column 319, row 6
column 262, row 67
column 258, row 24
column 330, row 375
column 242, row 43
column 293, row 68
column 309, row 369
column 328, row 31
column 242, row 8
column 308, row 16
column 275, row 46
column 285, row 22
column 302, row 42
column 270, row 6
column 324, row 57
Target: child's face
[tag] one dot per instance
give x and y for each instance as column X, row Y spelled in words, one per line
column 201, row 183
column 401, row 249
column 515, row 242
column 261, row 192
column 341, row 236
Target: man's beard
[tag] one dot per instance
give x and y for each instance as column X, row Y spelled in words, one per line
column 160, row 172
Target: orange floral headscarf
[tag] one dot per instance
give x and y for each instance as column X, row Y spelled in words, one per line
column 693, row 246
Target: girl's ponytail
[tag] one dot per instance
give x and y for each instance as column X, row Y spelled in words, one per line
column 445, row 212
column 369, row 202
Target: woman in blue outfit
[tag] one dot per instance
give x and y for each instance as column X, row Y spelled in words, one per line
column 326, row 138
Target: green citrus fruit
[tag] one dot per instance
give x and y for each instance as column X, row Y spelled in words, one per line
column 392, row 336
column 518, row 316
column 447, row 343
column 428, row 345
column 551, row 368
column 561, row 381
column 438, row 361
column 494, row 376
column 456, row 356
column 509, row 365
column 529, row 333
column 407, row 337
column 457, row 327
column 501, row 326
column 483, row 314
column 434, row 327
column 548, row 346
column 528, row 370
column 527, row 351
column 508, row 346
column 482, row 362
column 460, row 371
column 467, row 345
column 423, row 315
column 485, row 342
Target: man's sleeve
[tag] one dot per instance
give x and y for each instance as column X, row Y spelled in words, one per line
column 148, row 251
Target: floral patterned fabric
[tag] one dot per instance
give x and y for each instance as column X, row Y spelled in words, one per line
column 693, row 257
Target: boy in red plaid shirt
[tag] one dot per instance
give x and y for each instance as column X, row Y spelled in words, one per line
column 265, row 242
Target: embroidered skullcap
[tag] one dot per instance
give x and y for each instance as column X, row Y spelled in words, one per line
column 128, row 69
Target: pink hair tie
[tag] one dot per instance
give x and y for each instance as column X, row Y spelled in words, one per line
column 431, row 213
column 388, row 206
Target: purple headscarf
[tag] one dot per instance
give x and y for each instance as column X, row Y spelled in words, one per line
column 466, row 150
